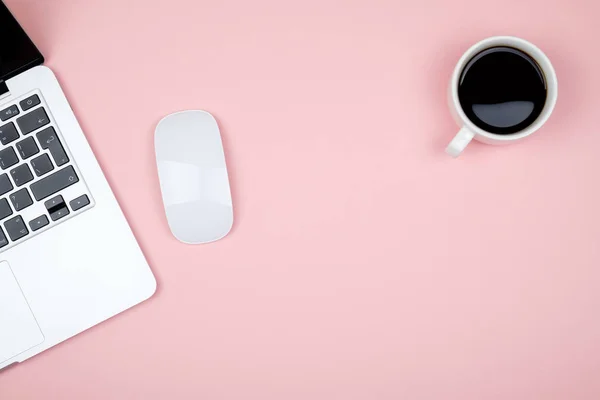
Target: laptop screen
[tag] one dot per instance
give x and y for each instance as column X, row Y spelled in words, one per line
column 17, row 51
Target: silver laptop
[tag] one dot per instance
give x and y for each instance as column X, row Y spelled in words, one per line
column 68, row 259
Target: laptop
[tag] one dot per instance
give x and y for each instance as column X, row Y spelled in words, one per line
column 68, row 258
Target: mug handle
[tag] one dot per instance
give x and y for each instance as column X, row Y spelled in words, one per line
column 460, row 142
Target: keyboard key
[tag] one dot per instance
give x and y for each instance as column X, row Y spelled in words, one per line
column 41, row 165
column 46, row 136
column 56, row 201
column 8, row 133
column 53, row 183
column 8, row 158
column 3, row 239
column 32, row 121
column 58, row 153
column 5, row 209
column 57, row 208
column 49, row 140
column 15, row 227
column 5, row 185
column 38, row 223
column 58, row 214
column 27, row 147
column 9, row 112
column 21, row 199
column 21, row 175
column 30, row 102
column 79, row 202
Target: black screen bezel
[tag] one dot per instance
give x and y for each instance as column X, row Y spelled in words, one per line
column 36, row 57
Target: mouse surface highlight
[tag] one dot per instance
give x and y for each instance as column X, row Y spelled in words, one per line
column 193, row 177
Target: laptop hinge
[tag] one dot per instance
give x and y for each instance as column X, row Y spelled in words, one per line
column 3, row 87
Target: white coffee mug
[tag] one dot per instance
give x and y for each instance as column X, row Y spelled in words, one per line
column 469, row 130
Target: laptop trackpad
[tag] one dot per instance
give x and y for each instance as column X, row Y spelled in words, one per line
column 19, row 331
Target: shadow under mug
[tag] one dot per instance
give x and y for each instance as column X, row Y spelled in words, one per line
column 469, row 130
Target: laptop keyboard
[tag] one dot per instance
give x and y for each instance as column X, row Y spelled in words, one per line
column 39, row 183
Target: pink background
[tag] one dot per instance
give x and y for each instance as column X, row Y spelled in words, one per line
column 364, row 262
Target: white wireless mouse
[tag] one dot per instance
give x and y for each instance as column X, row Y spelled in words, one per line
column 193, row 177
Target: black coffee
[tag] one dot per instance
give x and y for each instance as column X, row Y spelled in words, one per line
column 502, row 90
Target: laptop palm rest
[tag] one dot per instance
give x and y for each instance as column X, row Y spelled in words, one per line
column 19, row 330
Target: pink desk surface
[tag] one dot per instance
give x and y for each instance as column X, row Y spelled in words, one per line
column 364, row 262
